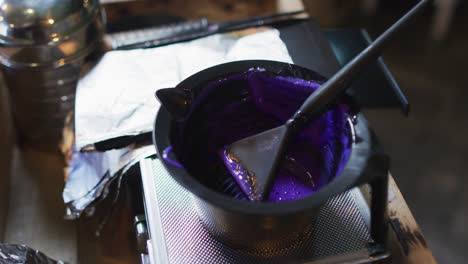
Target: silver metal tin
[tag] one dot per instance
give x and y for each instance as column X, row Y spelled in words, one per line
column 43, row 46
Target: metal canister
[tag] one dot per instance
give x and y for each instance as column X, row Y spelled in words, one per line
column 44, row 44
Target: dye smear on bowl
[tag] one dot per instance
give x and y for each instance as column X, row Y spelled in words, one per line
column 245, row 104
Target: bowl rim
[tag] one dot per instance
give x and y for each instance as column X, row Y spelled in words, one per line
column 352, row 174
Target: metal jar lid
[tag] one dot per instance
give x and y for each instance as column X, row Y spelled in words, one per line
column 35, row 33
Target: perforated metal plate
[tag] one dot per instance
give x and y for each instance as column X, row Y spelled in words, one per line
column 340, row 232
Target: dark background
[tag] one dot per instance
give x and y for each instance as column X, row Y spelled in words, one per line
column 429, row 149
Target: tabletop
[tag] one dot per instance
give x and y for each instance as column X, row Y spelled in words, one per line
column 116, row 242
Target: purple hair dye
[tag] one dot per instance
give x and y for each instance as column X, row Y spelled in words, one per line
column 314, row 158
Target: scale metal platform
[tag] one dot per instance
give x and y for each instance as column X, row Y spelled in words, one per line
column 340, row 232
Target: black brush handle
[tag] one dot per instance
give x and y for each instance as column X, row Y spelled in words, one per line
column 216, row 28
column 318, row 101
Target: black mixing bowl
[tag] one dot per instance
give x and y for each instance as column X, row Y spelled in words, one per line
column 256, row 225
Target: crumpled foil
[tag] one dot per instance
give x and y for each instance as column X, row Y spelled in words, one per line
column 91, row 173
column 20, row 254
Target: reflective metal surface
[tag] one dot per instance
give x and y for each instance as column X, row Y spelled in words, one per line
column 339, row 233
column 48, row 32
column 43, row 46
column 32, row 21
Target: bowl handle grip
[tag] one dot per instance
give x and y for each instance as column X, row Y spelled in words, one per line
column 379, row 169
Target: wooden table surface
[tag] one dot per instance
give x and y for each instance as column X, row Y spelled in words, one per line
column 406, row 237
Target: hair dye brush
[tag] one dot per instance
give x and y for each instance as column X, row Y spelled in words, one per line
column 257, row 158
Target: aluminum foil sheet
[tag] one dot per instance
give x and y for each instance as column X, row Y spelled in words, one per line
column 116, row 98
column 340, row 231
